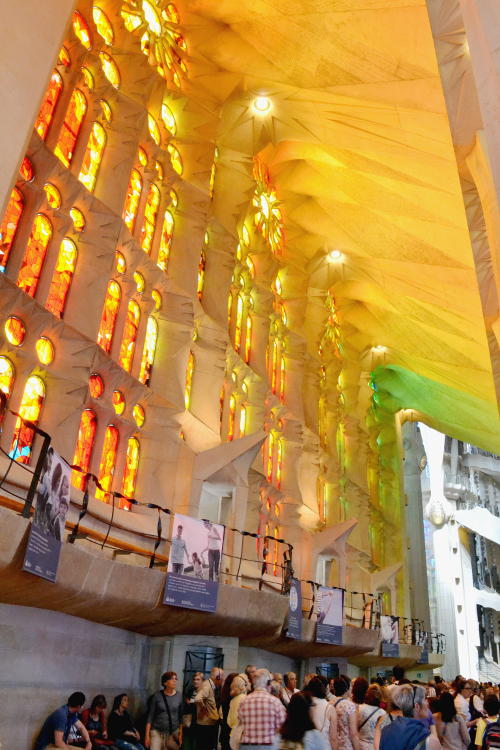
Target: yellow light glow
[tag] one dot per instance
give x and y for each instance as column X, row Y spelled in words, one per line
column 142, row 157
column 152, row 17
column 78, row 219
column 132, row 20
column 262, row 105
column 154, row 130
column 110, row 69
column 335, row 255
column 175, row 158
column 104, row 28
column 168, row 119
column 139, row 282
column 118, row 401
column 155, row 294
column 52, row 195
column 15, row 330
column 159, row 170
column 106, row 111
column 45, row 350
column 121, row 265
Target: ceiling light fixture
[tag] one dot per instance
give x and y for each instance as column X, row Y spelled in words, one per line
column 379, row 348
column 335, row 255
column 262, row 105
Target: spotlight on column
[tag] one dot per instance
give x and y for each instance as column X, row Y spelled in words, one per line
column 261, row 105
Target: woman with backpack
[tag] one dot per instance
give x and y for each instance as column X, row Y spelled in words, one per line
column 369, row 715
column 451, row 728
column 491, row 709
column 298, row 731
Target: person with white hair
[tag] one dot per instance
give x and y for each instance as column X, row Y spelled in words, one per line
column 260, row 715
column 405, row 732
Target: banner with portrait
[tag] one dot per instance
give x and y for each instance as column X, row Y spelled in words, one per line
column 294, row 627
column 330, row 615
column 389, row 634
column 194, row 564
column 47, row 529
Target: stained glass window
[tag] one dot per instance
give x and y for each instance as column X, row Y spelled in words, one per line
column 96, row 385
column 150, row 215
column 118, row 401
column 7, row 376
column 132, row 199
column 81, row 29
column 148, row 352
column 175, row 158
column 88, row 78
column 156, row 299
column 270, row 457
column 107, row 464
column 279, row 463
column 231, row 417
column 201, row 275
column 189, row 380
column 110, row 69
column 243, row 420
column 106, row 110
column 30, row 408
column 34, row 256
column 49, row 103
column 154, row 130
column 26, row 170
column 71, row 127
column 45, row 350
column 166, row 240
column 77, row 218
column 62, row 278
column 168, row 119
column 239, row 319
column 129, row 335
column 140, row 284
column 93, row 156
column 109, row 315
column 139, row 415
column 15, row 330
column 131, row 467
column 248, row 339
column 84, row 448
column 64, row 57
column 9, row 225
column 103, row 25
column 52, row 195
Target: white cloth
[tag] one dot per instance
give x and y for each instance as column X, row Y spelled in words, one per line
column 312, row 740
column 321, row 712
column 462, row 706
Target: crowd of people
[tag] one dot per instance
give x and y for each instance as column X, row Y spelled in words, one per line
column 258, row 710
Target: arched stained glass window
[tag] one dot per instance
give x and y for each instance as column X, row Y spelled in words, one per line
column 110, row 69
column 243, row 420
column 130, row 335
column 132, row 199
column 30, row 408
column 148, row 352
column 108, row 461
column 279, row 462
column 270, row 457
column 70, row 130
column 274, row 365
column 189, row 380
column 239, row 320
column 62, row 278
column 34, row 256
column 166, row 240
column 109, row 315
column 248, row 339
column 49, row 103
column 232, row 417
column 7, row 376
column 131, row 468
column 201, row 275
column 84, row 447
column 93, row 156
column 150, row 215
column 81, row 29
column 9, row 225
column 103, row 25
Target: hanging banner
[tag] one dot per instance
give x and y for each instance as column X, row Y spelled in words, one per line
column 47, row 529
column 389, row 633
column 294, row 627
column 194, row 564
column 330, row 615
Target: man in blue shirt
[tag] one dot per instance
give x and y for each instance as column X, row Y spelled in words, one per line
column 56, row 728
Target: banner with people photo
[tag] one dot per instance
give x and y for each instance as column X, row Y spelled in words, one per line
column 194, row 564
column 47, row 529
column 389, row 633
column 294, row 626
column 330, row 615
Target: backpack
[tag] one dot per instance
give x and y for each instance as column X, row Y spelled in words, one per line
column 491, row 736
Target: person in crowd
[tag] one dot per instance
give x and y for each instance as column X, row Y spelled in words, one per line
column 404, row 732
column 94, row 719
column 476, row 704
column 359, row 688
column 462, row 694
column 275, row 689
column 165, row 713
column 347, row 728
column 451, row 728
column 289, row 687
column 422, row 711
column 207, row 710
column 398, row 674
column 178, row 551
column 298, row 731
column 260, row 714
column 322, row 713
column 369, row 715
column 121, row 728
column 189, row 718
column 430, row 691
column 56, row 727
column 278, row 677
column 308, row 678
column 491, row 709
column 225, row 702
column 250, row 671
column 240, row 687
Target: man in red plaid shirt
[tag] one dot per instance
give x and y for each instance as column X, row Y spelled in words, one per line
column 261, row 714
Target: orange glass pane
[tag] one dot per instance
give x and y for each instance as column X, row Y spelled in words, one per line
column 26, row 170
column 118, row 401
column 139, row 415
column 107, row 464
column 45, row 350
column 52, row 195
column 31, row 267
column 279, row 463
column 30, row 408
column 9, row 225
column 93, row 156
column 248, row 339
column 201, row 275
column 103, row 25
column 231, row 419
column 71, row 127
column 110, row 69
column 84, row 448
column 131, row 467
column 78, row 219
column 15, row 330
column 48, row 106
column 189, row 380
column 150, row 216
column 81, row 29
column 282, row 377
column 109, row 315
column 166, row 240
column 96, row 385
column 62, row 278
column 7, row 376
column 64, row 57
column 134, row 191
column 129, row 335
column 149, row 350
column 121, row 263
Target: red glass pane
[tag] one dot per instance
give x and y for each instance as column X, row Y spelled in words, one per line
column 71, row 127
column 31, row 267
column 26, row 170
column 84, row 447
column 96, row 385
column 109, row 315
column 49, row 103
column 8, row 227
column 62, row 278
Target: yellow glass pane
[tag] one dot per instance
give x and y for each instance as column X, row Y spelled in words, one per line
column 45, row 350
column 150, row 215
column 149, row 350
column 106, row 111
column 121, row 265
column 132, row 20
column 170, row 13
column 168, row 119
column 93, row 156
column 142, row 157
column 62, row 277
column 189, row 381
column 154, row 130
column 7, row 375
column 103, row 25
column 151, row 16
column 159, row 170
column 81, row 29
column 52, row 195
column 78, row 219
column 64, row 58
column 88, row 78
column 175, row 158
column 118, row 400
column 139, row 282
column 110, row 69
column 15, row 330
column 131, row 467
column 155, row 294
column 31, row 406
column 173, row 199
column 139, row 415
column 132, row 199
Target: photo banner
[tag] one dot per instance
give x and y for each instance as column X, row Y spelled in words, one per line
column 389, row 633
column 47, row 528
column 194, row 564
column 330, row 615
column 294, row 627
